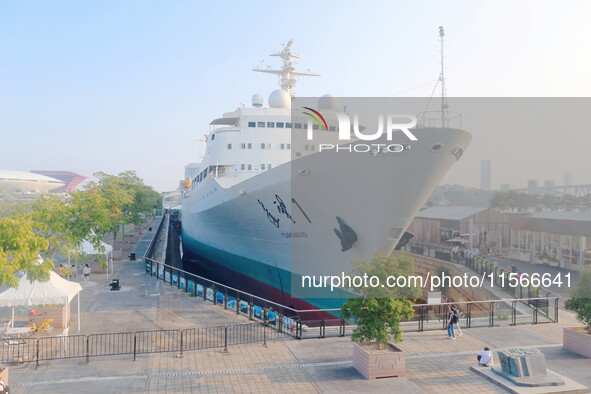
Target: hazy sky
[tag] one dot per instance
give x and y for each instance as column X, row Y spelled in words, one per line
column 116, row 85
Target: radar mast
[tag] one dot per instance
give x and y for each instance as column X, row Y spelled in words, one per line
column 287, row 74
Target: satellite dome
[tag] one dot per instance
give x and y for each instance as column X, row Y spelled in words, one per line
column 328, row 101
column 280, row 99
column 257, row 100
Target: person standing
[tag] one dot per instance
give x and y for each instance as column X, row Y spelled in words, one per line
column 450, row 324
column 86, row 272
column 456, row 318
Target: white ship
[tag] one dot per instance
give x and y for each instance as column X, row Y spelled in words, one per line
column 264, row 209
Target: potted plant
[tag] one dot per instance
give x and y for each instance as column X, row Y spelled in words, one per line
column 378, row 312
column 578, row 339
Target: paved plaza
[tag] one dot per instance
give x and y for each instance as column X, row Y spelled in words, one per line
column 434, row 363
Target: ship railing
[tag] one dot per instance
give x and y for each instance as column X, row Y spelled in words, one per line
column 434, row 119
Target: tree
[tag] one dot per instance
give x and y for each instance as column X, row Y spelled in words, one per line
column 52, row 219
column 570, row 202
column 580, row 300
column 380, row 310
column 500, row 200
column 145, row 198
column 115, row 198
column 19, row 250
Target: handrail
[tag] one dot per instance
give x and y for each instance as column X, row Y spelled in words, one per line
column 471, row 255
column 230, row 287
column 151, row 244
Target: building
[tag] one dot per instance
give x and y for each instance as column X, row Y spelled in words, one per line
column 567, row 179
column 532, row 186
column 71, row 179
column 479, row 226
column 191, row 170
column 555, row 238
column 485, row 174
column 19, row 181
column 505, row 187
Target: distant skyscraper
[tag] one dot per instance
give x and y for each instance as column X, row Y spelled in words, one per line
column 549, row 183
column 485, row 174
column 505, row 187
column 191, row 170
column 567, row 179
column 532, row 186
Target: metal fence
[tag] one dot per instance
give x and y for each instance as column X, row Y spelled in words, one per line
column 429, row 317
column 26, row 350
column 480, row 265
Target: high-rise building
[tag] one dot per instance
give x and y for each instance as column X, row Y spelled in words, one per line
column 532, row 186
column 191, row 170
column 567, row 179
column 71, row 179
column 485, row 174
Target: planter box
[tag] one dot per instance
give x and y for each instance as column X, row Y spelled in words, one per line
column 57, row 313
column 576, row 342
column 372, row 364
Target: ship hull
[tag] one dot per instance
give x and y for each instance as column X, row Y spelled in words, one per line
column 264, row 234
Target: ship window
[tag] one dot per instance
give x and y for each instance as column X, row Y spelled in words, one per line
column 269, row 166
column 298, row 154
column 282, row 146
column 213, row 137
column 249, row 167
column 260, row 124
column 297, row 125
column 252, row 124
column 229, row 146
column 279, row 125
column 288, row 146
column 332, row 128
column 263, row 145
column 315, row 127
column 249, row 145
column 243, row 145
column 270, row 124
column 306, row 147
column 268, row 145
column 312, row 147
column 288, row 125
column 242, row 166
column 262, row 166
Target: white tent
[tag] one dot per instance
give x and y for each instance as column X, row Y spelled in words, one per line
column 89, row 249
column 55, row 291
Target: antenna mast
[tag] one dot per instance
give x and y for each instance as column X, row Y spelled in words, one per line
column 287, row 72
column 442, row 78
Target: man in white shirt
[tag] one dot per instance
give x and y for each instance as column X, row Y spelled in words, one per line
column 485, row 358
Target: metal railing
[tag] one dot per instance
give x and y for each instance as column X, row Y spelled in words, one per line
column 480, row 265
column 27, row 350
column 429, row 317
column 154, row 241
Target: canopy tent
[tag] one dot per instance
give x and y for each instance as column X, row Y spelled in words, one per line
column 55, row 291
column 89, row 249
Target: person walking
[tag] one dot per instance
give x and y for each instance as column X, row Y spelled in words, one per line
column 456, row 312
column 450, row 324
column 86, row 272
